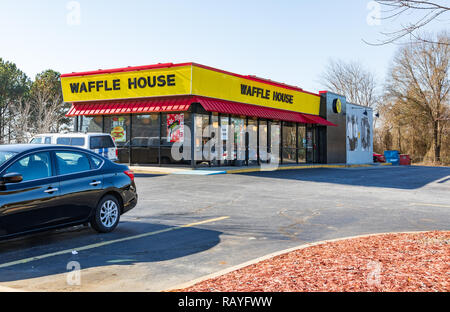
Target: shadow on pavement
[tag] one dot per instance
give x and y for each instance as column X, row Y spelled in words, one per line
column 164, row 246
column 403, row 177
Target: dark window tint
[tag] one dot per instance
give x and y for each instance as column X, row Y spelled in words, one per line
column 63, row 141
column 4, row 156
column 103, row 141
column 35, row 166
column 97, row 162
column 70, row 141
column 77, row 141
column 72, row 162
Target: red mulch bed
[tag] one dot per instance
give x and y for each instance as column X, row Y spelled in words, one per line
column 388, row 262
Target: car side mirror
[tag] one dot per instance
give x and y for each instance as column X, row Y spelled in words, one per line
column 12, row 177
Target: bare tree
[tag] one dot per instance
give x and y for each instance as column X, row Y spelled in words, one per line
column 48, row 104
column 420, row 88
column 21, row 120
column 352, row 80
column 423, row 13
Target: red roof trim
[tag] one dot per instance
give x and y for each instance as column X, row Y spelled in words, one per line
column 125, row 69
column 319, row 120
column 152, row 105
column 241, row 109
column 183, row 103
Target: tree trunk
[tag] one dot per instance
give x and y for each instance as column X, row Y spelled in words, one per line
column 437, row 144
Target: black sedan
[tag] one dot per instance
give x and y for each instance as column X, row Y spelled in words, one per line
column 48, row 186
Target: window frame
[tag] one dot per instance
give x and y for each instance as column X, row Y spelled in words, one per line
column 52, row 166
column 100, row 136
column 70, row 140
column 58, row 174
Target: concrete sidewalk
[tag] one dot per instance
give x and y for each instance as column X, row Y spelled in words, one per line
column 9, row 289
column 231, row 169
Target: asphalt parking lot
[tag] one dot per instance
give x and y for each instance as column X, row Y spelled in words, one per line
column 186, row 226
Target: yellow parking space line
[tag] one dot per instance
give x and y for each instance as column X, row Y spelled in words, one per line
column 119, row 240
column 431, row 205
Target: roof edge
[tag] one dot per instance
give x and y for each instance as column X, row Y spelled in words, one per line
column 169, row 65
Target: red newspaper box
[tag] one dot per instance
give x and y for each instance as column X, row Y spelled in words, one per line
column 405, row 160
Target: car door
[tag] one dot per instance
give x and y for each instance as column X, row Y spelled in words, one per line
column 31, row 203
column 81, row 183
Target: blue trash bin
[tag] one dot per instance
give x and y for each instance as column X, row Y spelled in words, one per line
column 392, row 157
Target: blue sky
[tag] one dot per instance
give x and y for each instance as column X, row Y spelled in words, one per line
column 287, row 41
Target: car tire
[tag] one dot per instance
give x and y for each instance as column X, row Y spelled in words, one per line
column 107, row 215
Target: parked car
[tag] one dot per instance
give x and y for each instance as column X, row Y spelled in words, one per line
column 50, row 186
column 378, row 158
column 146, row 150
column 101, row 143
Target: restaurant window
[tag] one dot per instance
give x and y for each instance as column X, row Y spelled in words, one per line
column 174, row 129
column 301, row 144
column 262, row 143
column 275, row 132
column 239, row 128
column 289, row 152
column 226, row 156
column 215, row 142
column 202, row 137
column 90, row 124
column 145, row 140
column 119, row 128
column 310, row 144
column 252, row 141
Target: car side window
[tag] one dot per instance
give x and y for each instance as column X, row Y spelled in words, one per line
column 102, row 141
column 77, row 142
column 63, row 141
column 72, row 162
column 33, row 167
column 48, row 140
column 97, row 162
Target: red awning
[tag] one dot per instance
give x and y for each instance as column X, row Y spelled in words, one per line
column 319, row 120
column 178, row 104
column 227, row 107
column 182, row 104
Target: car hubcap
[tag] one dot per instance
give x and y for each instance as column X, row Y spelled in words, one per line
column 109, row 213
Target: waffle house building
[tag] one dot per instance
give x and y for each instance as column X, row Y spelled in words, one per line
column 194, row 115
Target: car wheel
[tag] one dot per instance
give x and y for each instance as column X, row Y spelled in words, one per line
column 107, row 215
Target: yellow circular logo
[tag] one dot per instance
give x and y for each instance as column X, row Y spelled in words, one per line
column 337, row 106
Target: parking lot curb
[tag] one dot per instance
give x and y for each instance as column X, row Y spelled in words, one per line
column 246, row 170
column 274, row 254
column 233, row 171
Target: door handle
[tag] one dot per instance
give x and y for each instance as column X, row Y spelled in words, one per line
column 95, row 183
column 51, row 190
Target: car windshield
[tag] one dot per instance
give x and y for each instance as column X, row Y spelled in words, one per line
column 37, row 140
column 4, row 156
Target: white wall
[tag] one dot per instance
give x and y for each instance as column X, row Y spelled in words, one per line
column 359, row 135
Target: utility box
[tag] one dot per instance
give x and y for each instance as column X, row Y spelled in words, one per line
column 392, row 157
